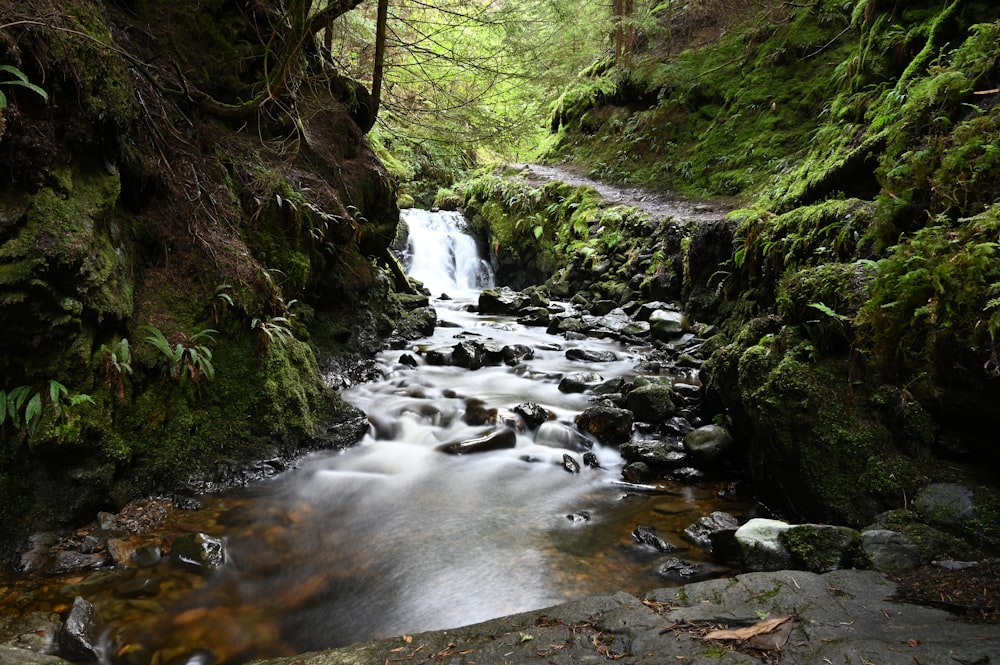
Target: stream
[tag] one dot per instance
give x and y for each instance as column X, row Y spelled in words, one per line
column 396, row 536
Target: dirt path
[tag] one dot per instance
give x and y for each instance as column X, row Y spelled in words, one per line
column 657, row 204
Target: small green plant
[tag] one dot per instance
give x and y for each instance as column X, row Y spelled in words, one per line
column 222, row 301
column 188, row 359
column 274, row 330
column 117, row 361
column 21, row 80
column 23, row 408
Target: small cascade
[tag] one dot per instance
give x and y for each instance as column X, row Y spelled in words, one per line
column 442, row 254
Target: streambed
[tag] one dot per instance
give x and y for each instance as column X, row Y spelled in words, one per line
column 396, row 536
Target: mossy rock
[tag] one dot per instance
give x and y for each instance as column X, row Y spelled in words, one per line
column 820, row 548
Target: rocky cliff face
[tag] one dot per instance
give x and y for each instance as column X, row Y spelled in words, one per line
column 171, row 260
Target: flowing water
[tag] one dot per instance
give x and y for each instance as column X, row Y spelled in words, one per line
column 393, row 536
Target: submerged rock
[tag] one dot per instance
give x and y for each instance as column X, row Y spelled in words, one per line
column 496, row 440
column 198, row 551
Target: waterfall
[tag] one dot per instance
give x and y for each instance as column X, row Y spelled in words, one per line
column 441, row 253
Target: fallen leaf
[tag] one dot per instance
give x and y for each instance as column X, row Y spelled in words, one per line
column 748, row 632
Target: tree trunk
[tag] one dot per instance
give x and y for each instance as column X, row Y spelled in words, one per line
column 380, row 29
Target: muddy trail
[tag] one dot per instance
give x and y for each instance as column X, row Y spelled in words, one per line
column 657, row 205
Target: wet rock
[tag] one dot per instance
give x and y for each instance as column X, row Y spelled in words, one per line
column 35, row 631
column 558, row 435
column 140, row 586
column 495, row 440
column 687, row 361
column 637, row 472
column 591, row 355
column 651, row 403
column 67, row 562
column 570, row 464
column 79, row 638
column 533, row 414
column 761, row 547
column 655, row 453
column 890, row 551
column 821, row 548
column 602, row 307
column 578, row 382
column 687, row 390
column 477, row 413
column 944, row 504
column 687, row 474
column 502, row 301
column 678, row 570
column 567, row 325
column 701, row 532
column 709, row 445
column 677, row 426
column 513, row 354
column 590, row 459
column 412, row 301
column 199, row 552
column 646, row 535
column 469, row 355
column 534, row 316
column 666, row 325
column 608, row 425
column 408, row 360
column 438, row 357
column 617, row 325
column 643, row 311
column 579, row 518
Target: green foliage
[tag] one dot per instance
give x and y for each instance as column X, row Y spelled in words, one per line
column 274, row 330
column 21, row 80
column 187, row 359
column 24, row 408
column 934, row 302
column 117, row 362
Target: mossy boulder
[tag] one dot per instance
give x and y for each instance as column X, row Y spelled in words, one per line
column 651, row 403
column 820, row 548
column 816, row 444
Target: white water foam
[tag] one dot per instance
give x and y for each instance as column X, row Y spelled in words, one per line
column 442, row 254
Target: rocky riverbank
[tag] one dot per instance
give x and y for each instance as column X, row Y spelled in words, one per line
column 845, row 616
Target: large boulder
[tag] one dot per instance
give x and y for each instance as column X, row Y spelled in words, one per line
column 890, row 551
column 710, row 445
column 652, row 403
column 504, row 300
column 608, row 425
column 761, row 547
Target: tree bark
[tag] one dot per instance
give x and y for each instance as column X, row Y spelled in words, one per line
column 380, row 29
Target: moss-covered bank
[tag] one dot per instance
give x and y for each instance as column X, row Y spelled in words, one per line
column 172, row 267
column 856, row 288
